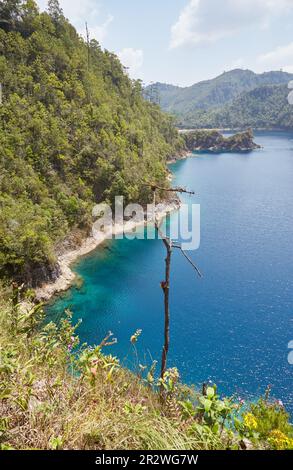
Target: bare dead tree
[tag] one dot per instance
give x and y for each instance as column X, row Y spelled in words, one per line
column 154, row 187
column 88, row 46
column 169, row 245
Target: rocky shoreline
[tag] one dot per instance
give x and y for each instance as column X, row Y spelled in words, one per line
column 66, row 276
column 214, row 141
column 204, row 140
column 198, row 140
column 181, row 156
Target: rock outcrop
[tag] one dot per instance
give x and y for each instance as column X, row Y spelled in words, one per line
column 214, row 141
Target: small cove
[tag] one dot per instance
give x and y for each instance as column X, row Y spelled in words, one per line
column 233, row 326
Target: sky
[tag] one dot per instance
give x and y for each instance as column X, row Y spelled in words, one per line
column 185, row 41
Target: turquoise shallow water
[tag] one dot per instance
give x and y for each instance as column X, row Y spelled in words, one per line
column 234, row 325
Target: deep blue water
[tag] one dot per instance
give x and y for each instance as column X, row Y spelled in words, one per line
column 234, row 325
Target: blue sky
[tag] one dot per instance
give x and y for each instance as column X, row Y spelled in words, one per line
column 185, row 41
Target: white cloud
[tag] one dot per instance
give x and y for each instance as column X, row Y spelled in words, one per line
column 132, row 59
column 203, row 21
column 281, row 57
column 81, row 12
column 75, row 10
column 288, row 68
column 100, row 32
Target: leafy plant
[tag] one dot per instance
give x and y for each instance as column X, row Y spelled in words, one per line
column 56, row 443
column 215, row 412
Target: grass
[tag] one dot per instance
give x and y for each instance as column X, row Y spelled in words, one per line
column 44, row 405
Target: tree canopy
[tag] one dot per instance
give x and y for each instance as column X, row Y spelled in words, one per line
column 75, row 130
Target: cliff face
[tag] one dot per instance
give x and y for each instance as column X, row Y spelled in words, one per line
column 213, row 141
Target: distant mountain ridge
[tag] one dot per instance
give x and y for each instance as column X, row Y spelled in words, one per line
column 238, row 98
column 265, row 107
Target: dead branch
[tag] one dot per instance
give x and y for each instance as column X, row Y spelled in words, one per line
column 178, row 189
column 168, row 242
column 188, row 259
column 107, row 341
column 88, row 45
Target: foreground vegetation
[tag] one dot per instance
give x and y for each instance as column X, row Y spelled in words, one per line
column 74, row 130
column 57, row 394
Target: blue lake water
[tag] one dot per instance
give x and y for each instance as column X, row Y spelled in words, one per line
column 232, row 326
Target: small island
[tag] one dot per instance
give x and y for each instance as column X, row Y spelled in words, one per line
column 214, row 141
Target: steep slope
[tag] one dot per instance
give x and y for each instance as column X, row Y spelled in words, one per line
column 74, row 130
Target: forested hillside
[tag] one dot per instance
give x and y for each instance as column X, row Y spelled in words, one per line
column 235, row 99
column 265, row 107
column 74, row 130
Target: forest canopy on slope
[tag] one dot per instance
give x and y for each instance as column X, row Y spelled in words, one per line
column 236, row 99
column 265, row 107
column 74, row 130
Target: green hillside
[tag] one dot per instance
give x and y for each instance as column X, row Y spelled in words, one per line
column 265, row 107
column 74, row 131
column 213, row 103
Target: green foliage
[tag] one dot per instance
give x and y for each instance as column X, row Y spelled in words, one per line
column 215, row 412
column 212, row 140
column 235, row 99
column 56, row 394
column 56, row 443
column 74, row 130
column 169, row 382
column 264, row 107
column 92, row 359
column 271, row 416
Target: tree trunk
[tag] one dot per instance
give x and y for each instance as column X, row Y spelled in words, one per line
column 166, row 289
